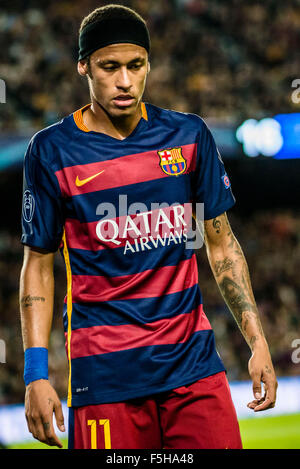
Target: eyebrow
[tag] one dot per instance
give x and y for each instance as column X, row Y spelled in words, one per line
column 115, row 62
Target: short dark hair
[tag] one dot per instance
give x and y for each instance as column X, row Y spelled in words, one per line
column 112, row 11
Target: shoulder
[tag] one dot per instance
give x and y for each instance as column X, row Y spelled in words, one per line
column 177, row 119
column 43, row 144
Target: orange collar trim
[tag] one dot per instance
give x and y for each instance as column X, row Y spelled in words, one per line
column 78, row 119
column 144, row 111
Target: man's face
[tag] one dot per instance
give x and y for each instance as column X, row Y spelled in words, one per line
column 117, row 77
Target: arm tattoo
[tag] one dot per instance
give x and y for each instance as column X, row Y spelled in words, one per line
column 28, row 300
column 236, row 298
column 222, row 266
column 242, row 309
column 233, row 244
column 232, row 276
column 217, row 224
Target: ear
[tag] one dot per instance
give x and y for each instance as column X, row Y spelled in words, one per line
column 149, row 68
column 82, row 68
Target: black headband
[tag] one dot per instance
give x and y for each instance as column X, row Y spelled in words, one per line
column 112, row 31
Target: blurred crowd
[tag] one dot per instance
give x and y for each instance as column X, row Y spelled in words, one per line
column 225, row 60
column 271, row 244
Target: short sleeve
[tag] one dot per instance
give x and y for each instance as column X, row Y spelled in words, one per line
column 212, row 186
column 42, row 210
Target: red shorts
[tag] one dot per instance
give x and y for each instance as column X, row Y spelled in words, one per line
column 200, row 415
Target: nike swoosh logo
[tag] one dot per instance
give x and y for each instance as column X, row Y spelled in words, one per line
column 81, row 182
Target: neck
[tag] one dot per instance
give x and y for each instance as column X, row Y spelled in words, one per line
column 95, row 118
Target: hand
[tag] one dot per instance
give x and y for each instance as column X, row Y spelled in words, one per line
column 41, row 401
column 261, row 370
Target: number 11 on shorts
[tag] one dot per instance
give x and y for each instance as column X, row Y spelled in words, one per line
column 94, row 430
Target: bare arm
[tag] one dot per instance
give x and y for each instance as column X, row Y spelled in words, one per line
column 231, row 272
column 36, row 297
column 36, row 309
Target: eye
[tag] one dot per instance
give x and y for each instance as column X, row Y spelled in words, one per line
column 110, row 67
column 135, row 66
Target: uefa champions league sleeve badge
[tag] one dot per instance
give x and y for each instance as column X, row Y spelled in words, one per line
column 28, row 206
column 226, row 181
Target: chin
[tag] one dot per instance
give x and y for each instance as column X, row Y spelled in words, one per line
column 126, row 112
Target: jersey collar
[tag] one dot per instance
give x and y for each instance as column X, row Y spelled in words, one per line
column 78, row 118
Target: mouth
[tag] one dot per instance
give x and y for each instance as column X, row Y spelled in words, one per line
column 123, row 100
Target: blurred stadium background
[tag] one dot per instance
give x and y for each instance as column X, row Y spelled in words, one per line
column 236, row 64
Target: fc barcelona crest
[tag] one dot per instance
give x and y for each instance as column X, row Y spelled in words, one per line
column 172, row 162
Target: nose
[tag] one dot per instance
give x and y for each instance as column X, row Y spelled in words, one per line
column 123, row 79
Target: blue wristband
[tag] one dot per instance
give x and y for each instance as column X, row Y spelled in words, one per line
column 36, row 364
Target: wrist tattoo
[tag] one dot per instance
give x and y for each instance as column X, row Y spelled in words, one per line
column 253, row 340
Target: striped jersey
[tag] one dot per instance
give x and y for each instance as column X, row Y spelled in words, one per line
column 117, row 211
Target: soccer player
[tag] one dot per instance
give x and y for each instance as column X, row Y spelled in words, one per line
column 110, row 186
